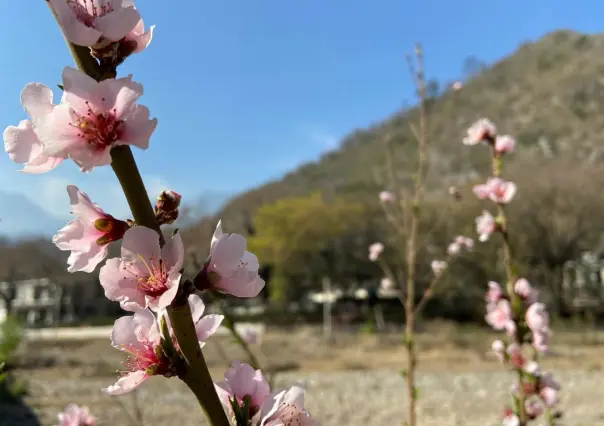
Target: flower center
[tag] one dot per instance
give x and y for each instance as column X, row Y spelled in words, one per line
column 154, row 283
column 99, row 130
column 140, row 358
column 86, row 11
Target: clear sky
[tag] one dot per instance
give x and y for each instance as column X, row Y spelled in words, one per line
column 246, row 90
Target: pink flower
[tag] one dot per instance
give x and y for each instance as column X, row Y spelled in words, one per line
column 93, row 118
column 386, row 197
column 504, row 144
column 145, row 275
column 457, row 86
column 511, row 419
column 496, row 189
column 95, row 22
column 480, row 131
column 459, row 243
column 453, row 249
column 286, row 408
column 205, row 326
column 498, row 348
column 22, row 142
column 139, row 336
column 76, row 416
column 548, row 389
column 499, row 316
column 494, row 293
column 541, row 340
column 438, row 267
column 515, row 355
column 524, row 289
column 140, row 37
column 89, row 234
column 242, row 381
column 231, row 269
column 485, row 226
column 375, row 250
column 533, row 408
column 537, row 318
column 532, row 368
column 549, row 396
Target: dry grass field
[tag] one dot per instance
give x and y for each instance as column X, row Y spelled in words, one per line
column 352, row 380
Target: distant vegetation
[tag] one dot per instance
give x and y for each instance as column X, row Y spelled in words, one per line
column 319, row 219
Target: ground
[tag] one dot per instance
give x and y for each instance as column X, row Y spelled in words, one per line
column 353, row 380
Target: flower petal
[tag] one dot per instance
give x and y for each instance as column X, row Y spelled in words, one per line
column 117, row 24
column 75, row 31
column 207, row 326
column 127, row 383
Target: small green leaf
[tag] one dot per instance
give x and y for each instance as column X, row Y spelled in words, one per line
column 415, row 393
column 60, row 86
column 403, row 373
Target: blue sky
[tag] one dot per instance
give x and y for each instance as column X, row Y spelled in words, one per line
column 246, row 90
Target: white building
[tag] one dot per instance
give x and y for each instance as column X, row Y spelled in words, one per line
column 36, row 301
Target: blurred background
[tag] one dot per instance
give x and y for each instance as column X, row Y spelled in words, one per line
column 274, row 118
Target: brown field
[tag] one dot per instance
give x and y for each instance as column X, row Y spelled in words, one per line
column 79, row 369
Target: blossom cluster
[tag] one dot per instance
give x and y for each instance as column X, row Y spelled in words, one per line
column 96, row 115
column 246, row 397
column 459, row 244
column 516, row 311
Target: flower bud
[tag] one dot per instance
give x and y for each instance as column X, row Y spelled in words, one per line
column 166, row 207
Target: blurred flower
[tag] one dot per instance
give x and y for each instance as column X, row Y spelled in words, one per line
column 480, row 131
column 375, row 250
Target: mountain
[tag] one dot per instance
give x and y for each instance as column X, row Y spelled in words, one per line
column 549, row 94
column 19, row 218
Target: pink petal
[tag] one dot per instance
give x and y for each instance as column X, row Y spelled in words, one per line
column 82, row 91
column 141, row 242
column 197, row 307
column 127, row 383
column 120, row 94
column 173, row 253
column 207, row 326
column 56, row 133
column 142, row 39
column 138, row 128
column 80, row 261
column 117, row 24
column 36, row 99
column 87, row 159
column 123, row 333
column 21, row 142
column 74, row 30
column 82, row 206
column 167, row 296
column 120, row 285
column 147, row 328
column 217, row 235
column 42, row 165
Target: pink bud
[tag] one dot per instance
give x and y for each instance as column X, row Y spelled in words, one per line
column 457, row 86
column 375, row 250
column 524, row 289
column 504, row 144
column 485, row 225
column 482, row 130
column 387, row 197
column 438, row 267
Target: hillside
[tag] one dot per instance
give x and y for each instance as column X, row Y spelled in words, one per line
column 549, row 94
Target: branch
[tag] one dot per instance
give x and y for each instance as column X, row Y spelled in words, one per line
column 197, row 376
